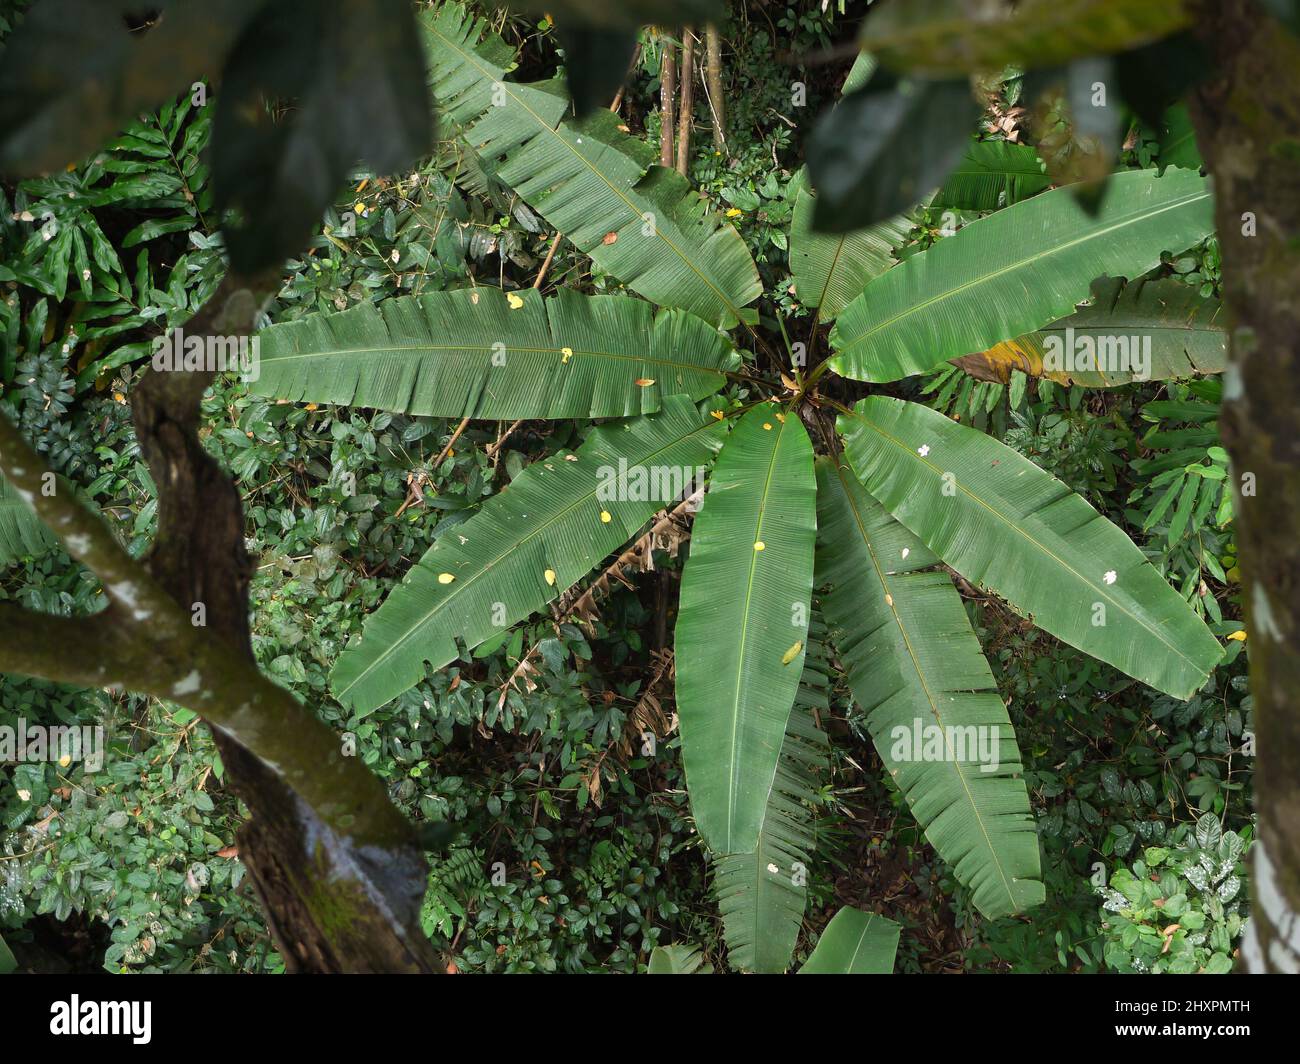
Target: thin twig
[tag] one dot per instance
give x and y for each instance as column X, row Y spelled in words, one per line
column 493, row 448
column 546, row 264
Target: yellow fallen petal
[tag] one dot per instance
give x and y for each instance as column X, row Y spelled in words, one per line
column 767, row 426
column 889, row 600
column 445, row 578
column 550, row 576
column 567, row 352
column 733, row 213
column 515, row 301
column 792, row 653
column 644, row 382
column 781, row 418
column 760, row 545
column 606, row 517
column 360, row 208
column 312, row 406
column 1239, row 636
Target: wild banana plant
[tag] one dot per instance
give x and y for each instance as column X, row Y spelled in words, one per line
column 813, row 555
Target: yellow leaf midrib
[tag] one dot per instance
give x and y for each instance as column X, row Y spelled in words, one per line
column 925, row 687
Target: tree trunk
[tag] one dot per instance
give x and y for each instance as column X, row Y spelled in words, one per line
column 713, row 85
column 667, row 99
column 1247, row 119
column 686, row 110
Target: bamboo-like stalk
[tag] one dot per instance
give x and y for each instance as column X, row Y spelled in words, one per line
column 713, row 85
column 686, row 107
column 667, row 98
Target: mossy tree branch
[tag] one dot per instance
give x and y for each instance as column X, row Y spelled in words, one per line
column 336, row 865
column 1247, row 117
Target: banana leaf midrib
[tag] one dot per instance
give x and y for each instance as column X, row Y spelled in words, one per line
column 475, row 349
column 473, row 60
column 744, row 630
column 920, row 305
column 555, row 518
column 826, row 285
column 1144, row 625
column 925, row 687
column 866, row 929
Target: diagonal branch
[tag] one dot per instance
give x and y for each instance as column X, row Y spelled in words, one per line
column 336, row 865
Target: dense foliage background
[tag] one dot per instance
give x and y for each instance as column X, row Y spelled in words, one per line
column 572, row 847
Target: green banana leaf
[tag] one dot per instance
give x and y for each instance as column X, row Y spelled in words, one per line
column 993, row 174
column 855, row 943
column 598, row 186
column 678, row 959
column 761, row 895
column 917, row 670
column 1146, row 330
column 743, row 623
column 830, row 269
column 1008, row 526
column 555, row 523
column 1178, row 140
column 1015, row 271
column 488, row 354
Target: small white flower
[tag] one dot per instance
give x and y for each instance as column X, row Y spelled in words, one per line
column 771, row 867
column 923, row 450
column 1110, row 576
column 907, row 551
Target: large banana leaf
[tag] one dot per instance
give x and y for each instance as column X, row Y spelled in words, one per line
column 21, row 531
column 993, row 174
column 855, row 943
column 485, row 354
column 761, row 895
column 951, row 37
column 830, row 269
column 1015, row 271
column 555, row 522
column 640, row 222
column 916, row 669
column 1147, row 330
column 1008, row 526
column 743, row 621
